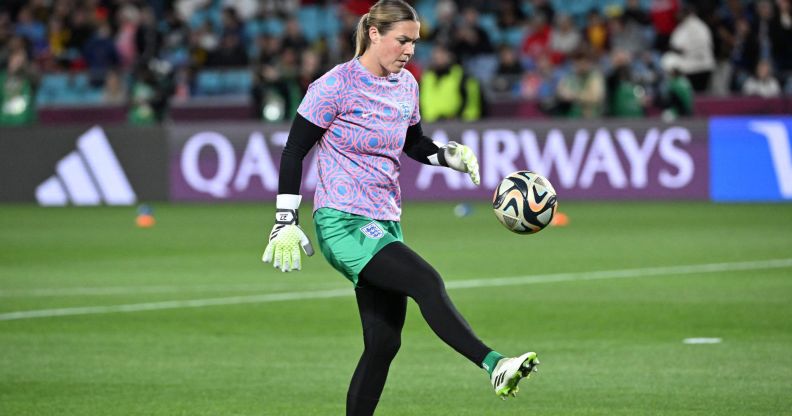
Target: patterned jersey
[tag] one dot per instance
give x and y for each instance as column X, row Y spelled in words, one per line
column 366, row 118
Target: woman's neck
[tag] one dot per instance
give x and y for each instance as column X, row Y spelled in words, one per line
column 370, row 63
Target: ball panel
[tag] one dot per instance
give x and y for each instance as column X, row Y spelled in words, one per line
column 524, row 202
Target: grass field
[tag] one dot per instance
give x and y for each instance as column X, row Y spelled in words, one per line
column 606, row 301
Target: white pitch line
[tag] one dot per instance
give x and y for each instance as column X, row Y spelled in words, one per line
column 138, row 290
column 459, row 284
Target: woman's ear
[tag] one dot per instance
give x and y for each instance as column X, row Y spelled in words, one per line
column 374, row 35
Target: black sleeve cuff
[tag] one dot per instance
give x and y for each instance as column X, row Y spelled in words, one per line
column 419, row 147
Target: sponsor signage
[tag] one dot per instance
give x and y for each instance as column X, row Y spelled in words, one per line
column 82, row 165
column 89, row 175
column 622, row 160
column 723, row 159
column 751, row 158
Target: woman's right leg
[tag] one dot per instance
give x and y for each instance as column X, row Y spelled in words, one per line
column 382, row 314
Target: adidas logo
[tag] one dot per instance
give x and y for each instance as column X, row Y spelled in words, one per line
column 89, row 175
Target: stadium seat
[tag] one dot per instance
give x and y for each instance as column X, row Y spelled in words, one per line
column 223, row 82
column 67, row 89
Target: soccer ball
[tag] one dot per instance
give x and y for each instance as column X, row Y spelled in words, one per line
column 524, row 202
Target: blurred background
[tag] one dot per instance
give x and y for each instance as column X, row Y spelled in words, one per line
column 664, row 126
column 148, row 61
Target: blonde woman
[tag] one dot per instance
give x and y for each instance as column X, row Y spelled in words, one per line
column 362, row 115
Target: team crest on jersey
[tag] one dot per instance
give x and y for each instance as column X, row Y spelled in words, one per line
column 372, row 230
column 404, row 110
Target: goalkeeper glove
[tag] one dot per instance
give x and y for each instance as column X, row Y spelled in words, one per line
column 286, row 237
column 460, row 158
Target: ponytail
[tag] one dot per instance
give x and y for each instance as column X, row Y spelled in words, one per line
column 361, row 35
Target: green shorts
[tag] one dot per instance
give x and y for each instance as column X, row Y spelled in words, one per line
column 349, row 241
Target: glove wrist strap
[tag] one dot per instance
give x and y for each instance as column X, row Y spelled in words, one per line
column 441, row 158
column 287, row 216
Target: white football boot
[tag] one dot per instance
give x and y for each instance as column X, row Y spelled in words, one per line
column 509, row 371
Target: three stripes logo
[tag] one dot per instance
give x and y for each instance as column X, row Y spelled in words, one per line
column 89, row 175
column 499, row 379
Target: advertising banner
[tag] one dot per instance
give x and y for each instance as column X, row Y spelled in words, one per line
column 751, row 158
column 584, row 160
column 83, row 165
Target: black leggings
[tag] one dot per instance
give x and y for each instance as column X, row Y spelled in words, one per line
column 395, row 273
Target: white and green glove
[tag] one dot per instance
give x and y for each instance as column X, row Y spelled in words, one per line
column 286, row 237
column 458, row 157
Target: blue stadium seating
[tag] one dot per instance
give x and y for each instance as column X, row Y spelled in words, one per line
column 67, row 89
column 216, row 82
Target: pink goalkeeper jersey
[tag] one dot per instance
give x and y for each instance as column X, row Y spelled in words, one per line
column 366, row 118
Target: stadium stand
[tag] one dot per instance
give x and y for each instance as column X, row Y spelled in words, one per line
column 215, row 48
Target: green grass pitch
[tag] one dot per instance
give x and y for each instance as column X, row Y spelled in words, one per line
column 610, row 343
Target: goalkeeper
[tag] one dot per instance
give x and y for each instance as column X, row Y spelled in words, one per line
column 362, row 115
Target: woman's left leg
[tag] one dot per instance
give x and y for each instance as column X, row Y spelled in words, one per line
column 396, row 268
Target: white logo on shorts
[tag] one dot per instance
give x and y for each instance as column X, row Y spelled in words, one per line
column 372, row 230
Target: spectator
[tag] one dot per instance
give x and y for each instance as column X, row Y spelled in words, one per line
column 544, row 7
column 664, row 19
column 150, row 94
column 231, row 23
column 269, row 48
column 447, row 92
column 762, row 84
column 509, row 71
column 564, row 38
column 781, row 33
column 203, row 42
column 58, row 38
column 537, row 41
column 175, row 40
column 724, row 32
column 625, row 36
column 128, row 19
column 147, row 38
column 230, row 53
column 32, row 30
column 6, row 31
column 244, row 9
column 541, row 85
column 310, row 70
column 100, row 55
column 511, row 22
column 114, row 90
column 274, row 97
column 82, row 28
column 745, row 54
column 17, row 87
column 676, row 92
column 626, row 98
column 15, row 44
column 646, row 71
column 581, row 92
column 634, row 14
column 40, row 10
column 596, row 32
column 471, row 40
column 692, row 40
column 293, row 37
column 443, row 32
column 761, row 27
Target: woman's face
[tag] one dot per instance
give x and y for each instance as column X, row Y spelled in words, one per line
column 395, row 47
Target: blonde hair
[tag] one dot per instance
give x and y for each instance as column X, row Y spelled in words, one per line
column 382, row 15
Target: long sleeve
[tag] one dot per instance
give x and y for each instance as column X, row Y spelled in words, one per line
column 302, row 137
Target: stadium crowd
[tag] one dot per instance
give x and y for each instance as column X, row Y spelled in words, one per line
column 586, row 58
